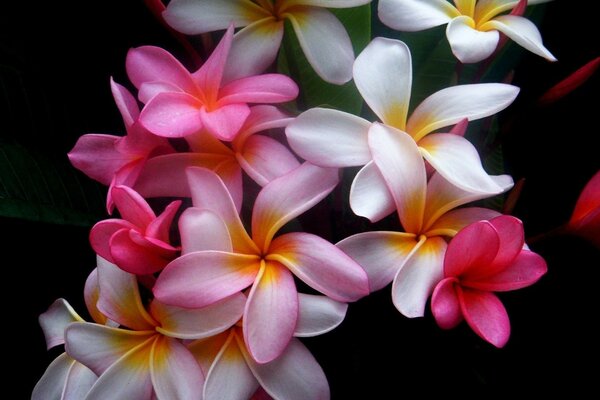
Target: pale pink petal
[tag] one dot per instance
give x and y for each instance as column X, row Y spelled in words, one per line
column 453, row 221
column 203, row 230
column 65, row 379
column 280, row 201
column 79, row 382
column 208, row 77
column 522, row 31
column 200, row 16
column 380, row 254
column 95, row 155
column 262, row 117
column 318, row 315
column 460, row 128
column 265, row 159
column 266, row 88
column 150, row 64
column 472, row 250
column 383, row 75
column 120, row 297
column 132, row 207
column 418, row 276
column 230, row 172
column 174, row 372
column 369, row 194
column 295, row 375
column 486, row 315
column 206, row 350
column 397, row 156
column 160, row 227
column 271, row 312
column 198, row 323
column 99, row 346
column 102, row 232
column 172, row 115
column 226, row 121
column 330, row 138
column 55, row 320
column 321, row 265
column 457, row 160
column 264, row 38
column 136, row 254
column 469, row 44
column 229, row 376
column 91, row 294
column 126, row 103
column 325, row 43
column 445, row 305
column 209, row 192
column 201, row 278
column 415, row 15
column 451, row 105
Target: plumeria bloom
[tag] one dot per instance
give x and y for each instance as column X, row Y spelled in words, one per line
column 383, row 75
column 261, row 157
column 232, row 373
column 180, row 103
column 585, row 220
column 259, row 260
column 473, row 26
column 147, row 360
column 115, row 160
column 413, row 259
column 139, row 242
column 322, row 37
column 484, row 257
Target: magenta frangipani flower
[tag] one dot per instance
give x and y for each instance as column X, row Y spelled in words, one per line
column 180, row 103
column 484, row 257
column 139, row 241
column 265, row 263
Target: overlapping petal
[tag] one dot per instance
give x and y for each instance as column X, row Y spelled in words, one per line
column 265, row 159
column 486, row 315
column 469, row 44
column 369, row 194
column 202, row 229
column 318, row 315
column 55, row 320
column 415, row 15
column 64, row 379
column 445, row 305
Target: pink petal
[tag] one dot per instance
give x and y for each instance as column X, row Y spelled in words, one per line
column 201, row 278
column 203, row 230
column 472, row 250
column 230, row 173
column 266, row 88
column 445, row 305
column 512, row 238
column 380, row 254
column 570, row 83
column 102, row 232
column 281, row 201
column 470, row 45
column 149, row 90
column 172, row 115
column 369, row 194
column 132, row 207
column 226, row 121
column 208, row 77
column 318, row 315
column 452, row 222
column 261, row 118
column 64, row 378
column 486, row 315
column 587, row 203
column 160, row 227
column 126, row 103
column 55, row 320
column 320, row 265
column 95, row 155
column 126, row 176
column 204, row 142
column 265, row 159
column 136, row 254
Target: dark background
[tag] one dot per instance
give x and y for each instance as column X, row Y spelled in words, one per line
column 65, row 53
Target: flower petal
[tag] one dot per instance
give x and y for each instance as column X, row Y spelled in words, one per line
column 380, row 254
column 325, row 43
column 318, row 315
column 65, row 379
column 451, row 105
column 587, row 203
column 320, row 265
column 486, row 315
column 126, row 103
column 201, row 278
column 203, row 230
column 265, row 159
column 132, row 207
column 138, row 255
column 159, row 228
column 151, row 64
column 415, row 15
column 445, row 305
column 226, row 121
column 262, row 117
column 369, row 194
column 327, row 3
column 453, row 221
column 96, row 156
column 172, row 115
column 330, row 138
column 91, row 294
column 418, row 276
column 383, row 75
column 55, row 320
column 266, row 88
column 206, row 350
column 186, row 323
column 522, row 31
column 208, row 77
column 280, row 201
column 271, row 312
column 102, row 232
column 470, row 45
column 396, row 155
column 471, row 251
column 512, row 238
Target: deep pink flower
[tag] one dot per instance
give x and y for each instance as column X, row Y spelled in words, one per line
column 585, row 220
column 484, row 257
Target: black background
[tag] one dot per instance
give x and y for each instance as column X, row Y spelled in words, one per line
column 69, row 49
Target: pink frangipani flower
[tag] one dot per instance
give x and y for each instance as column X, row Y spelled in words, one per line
column 180, row 103
column 383, row 75
column 484, row 257
column 265, row 263
column 322, row 37
column 585, row 220
column 139, row 242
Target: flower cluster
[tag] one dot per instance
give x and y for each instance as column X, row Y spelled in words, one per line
column 206, row 295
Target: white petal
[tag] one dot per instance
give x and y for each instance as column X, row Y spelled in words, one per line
column 318, row 315
column 55, row 320
column 327, row 3
column 415, row 15
column 369, row 194
column 383, row 75
column 64, row 379
column 522, row 31
column 202, row 229
column 468, row 44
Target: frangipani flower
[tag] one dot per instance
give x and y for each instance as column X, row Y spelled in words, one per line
column 383, row 75
column 473, row 26
column 484, row 257
column 180, row 103
column 232, row 373
column 115, row 160
column 413, row 259
column 146, row 361
column 139, row 242
column 322, row 37
column 585, row 220
column 265, row 263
